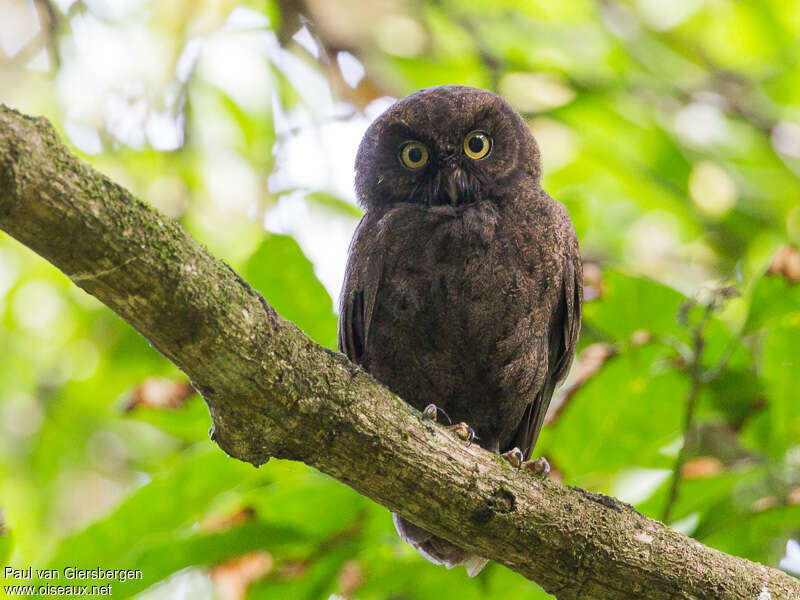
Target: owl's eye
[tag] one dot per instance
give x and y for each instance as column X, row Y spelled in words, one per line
column 477, row 145
column 413, row 155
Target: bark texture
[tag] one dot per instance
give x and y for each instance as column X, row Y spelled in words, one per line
column 273, row 392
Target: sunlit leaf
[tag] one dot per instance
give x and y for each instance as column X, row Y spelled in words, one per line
column 163, row 507
column 280, row 271
column 160, row 556
column 760, row 536
column 6, row 544
column 627, row 305
column 774, row 301
column 777, row 427
column 622, row 417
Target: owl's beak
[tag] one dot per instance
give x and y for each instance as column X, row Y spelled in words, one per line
column 452, row 191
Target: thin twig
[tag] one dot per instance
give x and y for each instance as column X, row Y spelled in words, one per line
column 697, row 379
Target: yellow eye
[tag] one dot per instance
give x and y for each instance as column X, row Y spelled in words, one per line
column 414, row 155
column 477, row 145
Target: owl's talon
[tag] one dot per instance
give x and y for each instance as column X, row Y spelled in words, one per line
column 430, row 412
column 462, row 431
column 514, row 457
column 539, row 467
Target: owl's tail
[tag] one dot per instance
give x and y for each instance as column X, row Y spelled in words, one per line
column 437, row 550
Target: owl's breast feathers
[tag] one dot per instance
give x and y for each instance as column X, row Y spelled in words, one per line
column 475, row 309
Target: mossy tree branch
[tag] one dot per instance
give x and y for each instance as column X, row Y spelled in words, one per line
column 273, row 392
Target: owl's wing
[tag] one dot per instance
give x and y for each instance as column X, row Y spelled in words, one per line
column 564, row 327
column 357, row 303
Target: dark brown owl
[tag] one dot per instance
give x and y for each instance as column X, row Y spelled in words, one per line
column 464, row 282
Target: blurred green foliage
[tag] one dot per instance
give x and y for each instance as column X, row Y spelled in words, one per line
column 671, row 131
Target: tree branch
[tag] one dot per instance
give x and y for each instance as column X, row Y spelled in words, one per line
column 272, row 392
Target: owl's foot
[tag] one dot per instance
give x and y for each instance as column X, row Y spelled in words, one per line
column 539, row 467
column 432, row 412
column 514, row 457
column 461, row 430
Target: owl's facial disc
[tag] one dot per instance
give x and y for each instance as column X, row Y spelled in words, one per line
column 458, row 183
column 458, row 174
column 452, row 183
column 447, row 170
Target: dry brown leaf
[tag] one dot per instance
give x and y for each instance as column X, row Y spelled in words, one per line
column 155, row 392
column 786, row 263
column 588, row 363
column 764, row 503
column 702, row 467
column 225, row 522
column 233, row 578
column 640, row 337
column 293, row 569
column 351, row 576
column 592, row 281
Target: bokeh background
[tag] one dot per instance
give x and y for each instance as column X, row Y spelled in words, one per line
column 671, row 131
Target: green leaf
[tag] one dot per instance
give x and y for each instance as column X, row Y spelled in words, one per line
column 695, row 495
column 774, row 301
column 168, row 504
column 318, row 582
column 283, row 275
column 504, row 583
column 190, row 422
column 777, row 428
column 759, row 536
column 160, row 556
column 6, row 544
column 329, row 201
column 620, row 418
column 733, row 394
column 303, row 491
column 407, row 575
column 627, row 304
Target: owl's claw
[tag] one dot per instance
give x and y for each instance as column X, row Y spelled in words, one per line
column 514, row 457
column 539, row 467
column 462, row 431
column 431, row 412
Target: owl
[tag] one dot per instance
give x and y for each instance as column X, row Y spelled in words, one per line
column 463, row 285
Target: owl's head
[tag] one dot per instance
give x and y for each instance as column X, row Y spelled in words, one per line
column 446, row 145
